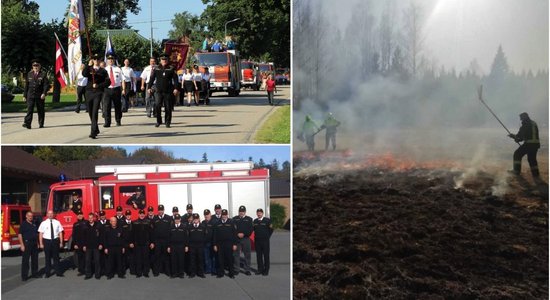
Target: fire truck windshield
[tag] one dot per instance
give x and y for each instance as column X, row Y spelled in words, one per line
column 265, row 68
column 211, row 59
column 247, row 65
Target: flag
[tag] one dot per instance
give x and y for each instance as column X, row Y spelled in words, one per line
column 177, row 53
column 59, row 66
column 76, row 25
column 109, row 49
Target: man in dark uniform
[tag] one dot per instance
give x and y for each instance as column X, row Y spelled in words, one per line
column 197, row 238
column 92, row 237
column 78, row 243
column 119, row 216
column 161, row 237
column 150, row 214
column 98, row 80
column 178, row 247
column 529, row 134
column 137, row 200
column 175, row 211
column 102, row 257
column 262, row 233
column 209, row 255
column 244, row 230
column 28, row 239
column 189, row 213
column 36, row 89
column 218, row 212
column 115, row 245
column 166, row 89
column 141, row 229
column 225, row 242
column 76, row 203
column 129, row 240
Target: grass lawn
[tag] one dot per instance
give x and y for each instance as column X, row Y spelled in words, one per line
column 18, row 105
column 276, row 130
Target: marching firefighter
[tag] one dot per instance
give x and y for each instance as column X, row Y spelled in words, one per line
column 161, row 237
column 113, row 92
column 177, row 247
column 92, row 246
column 98, row 80
column 141, row 229
column 36, row 89
column 166, row 89
column 244, row 230
column 529, row 134
column 78, row 242
column 330, row 125
column 129, row 261
column 262, row 233
column 225, row 243
column 309, row 130
column 114, row 244
column 197, row 238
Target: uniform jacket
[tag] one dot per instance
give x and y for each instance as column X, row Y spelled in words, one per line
column 262, row 229
column 244, row 225
column 225, row 233
column 34, row 88
column 166, row 79
column 161, row 228
column 197, row 236
column 141, row 230
column 99, row 77
column 92, row 236
column 179, row 235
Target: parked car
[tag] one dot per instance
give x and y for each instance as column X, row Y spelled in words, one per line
column 7, row 97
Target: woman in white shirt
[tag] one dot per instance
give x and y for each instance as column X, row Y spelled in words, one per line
column 187, row 85
column 197, row 80
column 206, row 85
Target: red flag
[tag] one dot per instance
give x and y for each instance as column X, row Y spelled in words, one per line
column 177, row 53
column 59, row 66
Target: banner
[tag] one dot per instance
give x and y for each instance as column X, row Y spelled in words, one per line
column 177, row 53
column 76, row 25
column 59, row 66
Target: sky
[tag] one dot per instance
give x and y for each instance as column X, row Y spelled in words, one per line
column 226, row 153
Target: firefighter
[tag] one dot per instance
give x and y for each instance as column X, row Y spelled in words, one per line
column 115, row 244
column 129, row 240
column 36, row 89
column 177, row 247
column 92, row 237
column 28, row 239
column 141, row 231
column 150, row 214
column 137, row 200
column 119, row 216
column 218, row 212
column 330, row 125
column 309, row 130
column 225, row 243
column 51, row 240
column 78, row 242
column 197, row 238
column 102, row 257
column 244, row 230
column 262, row 233
column 113, row 92
column 529, row 134
column 76, row 203
column 188, row 219
column 189, row 212
column 166, row 89
column 209, row 257
column 98, row 80
column 161, row 237
column 175, row 211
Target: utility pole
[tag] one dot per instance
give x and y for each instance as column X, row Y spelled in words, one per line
column 92, row 12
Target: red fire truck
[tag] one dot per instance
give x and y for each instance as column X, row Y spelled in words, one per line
column 224, row 68
column 203, row 185
column 250, row 75
column 12, row 216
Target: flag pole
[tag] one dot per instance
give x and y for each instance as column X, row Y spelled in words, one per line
column 88, row 43
column 60, row 45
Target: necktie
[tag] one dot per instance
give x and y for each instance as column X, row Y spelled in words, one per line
column 35, row 75
column 112, row 76
column 51, row 228
column 177, row 225
column 196, row 225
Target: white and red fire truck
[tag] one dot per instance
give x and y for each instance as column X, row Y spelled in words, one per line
column 12, row 216
column 250, row 75
column 203, row 185
column 225, row 69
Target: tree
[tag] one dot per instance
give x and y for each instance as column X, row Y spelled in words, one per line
column 275, row 165
column 155, row 155
column 187, row 24
column 261, row 163
column 132, row 48
column 112, row 14
column 204, row 158
column 413, row 31
column 499, row 68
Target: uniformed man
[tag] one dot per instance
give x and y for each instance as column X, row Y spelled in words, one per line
column 218, row 212
column 28, row 239
column 115, row 245
column 137, row 200
column 113, row 93
column 175, row 211
column 166, row 89
column 102, row 257
column 189, row 213
column 76, row 203
column 178, row 247
column 198, row 234
column 309, row 130
column 36, row 89
column 209, row 255
column 244, row 230
column 98, row 80
column 78, row 243
column 330, row 125
column 141, row 229
column 529, row 134
column 129, row 240
column 161, row 237
column 225, row 243
column 129, row 82
column 51, row 240
column 262, row 233
column 150, row 214
column 119, row 216
column 92, row 238
column 145, row 80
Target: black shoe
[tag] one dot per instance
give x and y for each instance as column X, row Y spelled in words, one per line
column 98, row 277
column 188, row 105
column 41, row 126
column 247, row 273
column 47, row 275
column 156, row 275
column 87, row 277
column 121, row 276
column 201, row 276
column 191, row 276
column 60, row 275
column 265, row 273
column 157, row 125
column 79, row 274
column 118, row 124
column 138, row 276
column 181, row 276
column 231, row 276
column 109, row 277
column 93, row 136
column 24, row 279
column 258, row 273
column 167, row 125
column 106, row 125
column 219, row 276
column 77, row 111
column 27, row 126
column 35, row 276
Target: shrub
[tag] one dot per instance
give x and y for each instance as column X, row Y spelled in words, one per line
column 278, row 215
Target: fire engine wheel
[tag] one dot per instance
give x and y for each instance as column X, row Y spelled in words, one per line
column 256, row 87
column 232, row 93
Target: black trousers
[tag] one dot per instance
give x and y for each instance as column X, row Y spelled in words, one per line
column 30, row 110
column 177, row 259
column 129, row 260
column 225, row 257
column 80, row 260
column 92, row 255
column 531, row 151
column 114, row 262
column 93, row 98
column 126, row 96
column 112, row 96
column 31, row 252
column 196, row 259
column 161, row 262
column 141, row 260
column 166, row 100
column 51, row 251
column 80, row 93
column 262, row 255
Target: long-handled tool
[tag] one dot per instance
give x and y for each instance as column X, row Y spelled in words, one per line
column 480, row 96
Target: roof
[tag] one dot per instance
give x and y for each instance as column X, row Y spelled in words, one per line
column 17, row 160
column 83, row 169
column 279, row 187
column 120, row 32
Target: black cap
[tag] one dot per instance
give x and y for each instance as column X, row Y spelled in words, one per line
column 150, row 208
column 141, row 211
column 175, row 209
column 119, row 208
column 35, row 62
column 79, row 212
column 111, row 56
column 206, row 212
column 242, row 208
column 75, row 194
column 164, row 56
column 138, row 189
column 129, row 213
column 224, row 212
column 177, row 217
column 161, row 207
column 196, row 216
column 189, row 206
column 95, row 56
column 102, row 213
column 259, row 209
column 217, row 206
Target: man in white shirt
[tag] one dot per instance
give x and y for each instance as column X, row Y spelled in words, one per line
column 81, row 83
column 145, row 76
column 129, row 82
column 113, row 94
column 51, row 240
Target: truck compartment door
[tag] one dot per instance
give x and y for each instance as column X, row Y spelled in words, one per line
column 252, row 195
column 171, row 195
column 206, row 195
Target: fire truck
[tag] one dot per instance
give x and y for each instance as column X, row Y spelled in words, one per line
column 203, row 185
column 266, row 68
column 250, row 76
column 225, row 69
column 12, row 216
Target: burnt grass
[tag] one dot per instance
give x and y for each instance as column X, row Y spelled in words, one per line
column 413, row 235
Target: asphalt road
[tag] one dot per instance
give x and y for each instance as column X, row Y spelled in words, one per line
column 228, row 120
column 274, row 286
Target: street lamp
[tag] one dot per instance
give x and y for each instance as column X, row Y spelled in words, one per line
column 228, row 23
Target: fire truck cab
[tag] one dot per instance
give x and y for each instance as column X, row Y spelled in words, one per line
column 203, row 185
column 224, row 68
column 12, row 216
column 250, row 75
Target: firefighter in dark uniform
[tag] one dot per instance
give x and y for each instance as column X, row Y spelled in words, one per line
column 209, row 258
column 262, row 233
column 119, row 216
column 161, row 237
column 166, row 89
column 189, row 213
column 198, row 234
column 28, row 239
column 225, row 243
column 177, row 247
column 529, row 134
column 175, row 211
column 76, row 203
column 129, row 240
column 187, row 219
column 150, row 214
column 78, row 243
column 104, row 223
column 98, row 80
column 92, row 237
column 141, row 229
column 244, row 230
column 218, row 212
column 151, row 218
column 137, row 200
column 36, row 89
column 115, row 245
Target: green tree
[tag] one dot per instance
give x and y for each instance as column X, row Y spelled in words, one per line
column 187, row 24
column 500, row 67
column 204, row 158
column 111, row 14
column 155, row 155
column 132, row 48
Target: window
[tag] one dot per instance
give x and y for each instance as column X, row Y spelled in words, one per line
column 130, row 197
column 62, row 199
column 15, row 217
column 214, row 59
column 107, row 200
